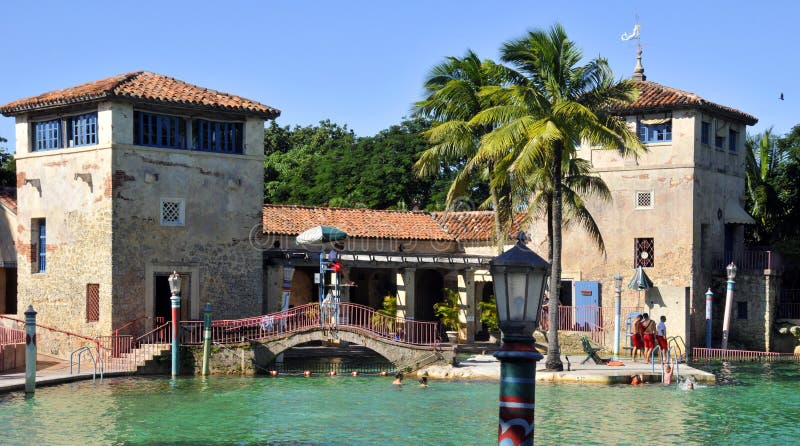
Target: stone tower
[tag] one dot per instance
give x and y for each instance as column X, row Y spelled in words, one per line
column 123, row 180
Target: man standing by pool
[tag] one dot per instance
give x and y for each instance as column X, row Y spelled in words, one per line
column 636, row 337
column 661, row 337
column 648, row 335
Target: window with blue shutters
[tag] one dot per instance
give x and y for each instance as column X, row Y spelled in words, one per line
column 82, row 130
column 42, row 246
column 217, row 136
column 47, row 135
column 70, row 131
column 154, row 130
column 655, row 130
column 705, row 132
column 733, row 135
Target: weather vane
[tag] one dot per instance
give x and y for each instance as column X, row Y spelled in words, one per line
column 634, row 34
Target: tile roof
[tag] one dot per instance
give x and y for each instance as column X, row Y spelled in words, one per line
column 655, row 97
column 473, row 225
column 142, row 87
column 366, row 223
column 8, row 198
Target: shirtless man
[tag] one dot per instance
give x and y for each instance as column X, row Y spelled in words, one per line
column 636, row 337
column 648, row 335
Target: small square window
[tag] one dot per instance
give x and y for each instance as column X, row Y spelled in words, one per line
column 643, row 253
column 173, row 212
column 92, row 302
column 643, row 200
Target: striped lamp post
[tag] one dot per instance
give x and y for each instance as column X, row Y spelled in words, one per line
column 175, row 288
column 519, row 280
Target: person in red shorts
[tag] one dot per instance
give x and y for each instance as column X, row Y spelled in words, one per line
column 636, row 337
column 661, row 337
column 648, row 335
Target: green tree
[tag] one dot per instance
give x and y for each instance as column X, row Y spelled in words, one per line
column 763, row 160
column 454, row 98
column 8, row 168
column 554, row 105
column 328, row 164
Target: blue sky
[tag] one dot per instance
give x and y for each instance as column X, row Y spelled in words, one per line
column 362, row 63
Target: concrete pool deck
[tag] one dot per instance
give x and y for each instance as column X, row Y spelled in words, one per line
column 486, row 366
column 480, row 366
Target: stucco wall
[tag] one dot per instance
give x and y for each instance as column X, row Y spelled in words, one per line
column 78, row 216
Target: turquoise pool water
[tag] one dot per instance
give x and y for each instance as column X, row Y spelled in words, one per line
column 759, row 404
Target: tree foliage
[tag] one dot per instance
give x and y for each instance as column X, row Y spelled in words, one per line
column 328, row 164
column 8, row 168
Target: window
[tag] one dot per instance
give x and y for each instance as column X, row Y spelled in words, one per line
column 47, row 135
column 643, row 200
column 215, row 136
column 92, row 302
column 79, row 130
column 643, row 253
column 82, row 130
column 741, row 310
column 41, row 251
column 172, row 211
column 150, row 129
column 719, row 141
column 732, row 136
column 705, row 132
column 655, row 130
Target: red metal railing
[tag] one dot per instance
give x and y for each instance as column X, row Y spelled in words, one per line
column 9, row 335
column 344, row 316
column 790, row 310
column 55, row 341
column 740, row 355
column 593, row 321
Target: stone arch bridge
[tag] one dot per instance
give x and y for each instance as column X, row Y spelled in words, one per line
column 407, row 344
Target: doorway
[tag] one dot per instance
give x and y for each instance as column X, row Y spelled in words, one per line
column 162, row 304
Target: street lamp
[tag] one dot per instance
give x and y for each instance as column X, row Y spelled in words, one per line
column 518, row 276
column 731, row 272
column 175, row 288
column 617, row 311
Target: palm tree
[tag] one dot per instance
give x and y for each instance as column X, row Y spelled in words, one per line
column 552, row 106
column 454, row 98
column 763, row 157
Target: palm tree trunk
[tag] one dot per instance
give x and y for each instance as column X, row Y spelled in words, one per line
column 553, row 361
column 499, row 233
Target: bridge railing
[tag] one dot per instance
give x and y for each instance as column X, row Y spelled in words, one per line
column 353, row 317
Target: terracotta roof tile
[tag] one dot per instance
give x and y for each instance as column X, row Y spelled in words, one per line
column 473, row 225
column 655, row 97
column 8, row 197
column 366, row 223
column 142, row 86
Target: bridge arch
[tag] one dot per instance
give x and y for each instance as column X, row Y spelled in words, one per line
column 400, row 354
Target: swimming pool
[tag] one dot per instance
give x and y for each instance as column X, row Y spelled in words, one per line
column 756, row 404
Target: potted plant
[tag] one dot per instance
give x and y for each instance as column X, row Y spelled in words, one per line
column 385, row 319
column 447, row 312
column 489, row 319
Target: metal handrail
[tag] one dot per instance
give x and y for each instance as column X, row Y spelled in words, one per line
column 95, row 360
column 345, row 316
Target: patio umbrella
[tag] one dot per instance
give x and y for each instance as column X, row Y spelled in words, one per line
column 320, row 234
column 640, row 282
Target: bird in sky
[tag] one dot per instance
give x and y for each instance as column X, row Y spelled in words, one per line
column 781, row 96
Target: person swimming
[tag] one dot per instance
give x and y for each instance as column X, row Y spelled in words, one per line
column 398, row 379
column 423, row 382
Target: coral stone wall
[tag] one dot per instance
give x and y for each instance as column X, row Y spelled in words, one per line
column 78, row 214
